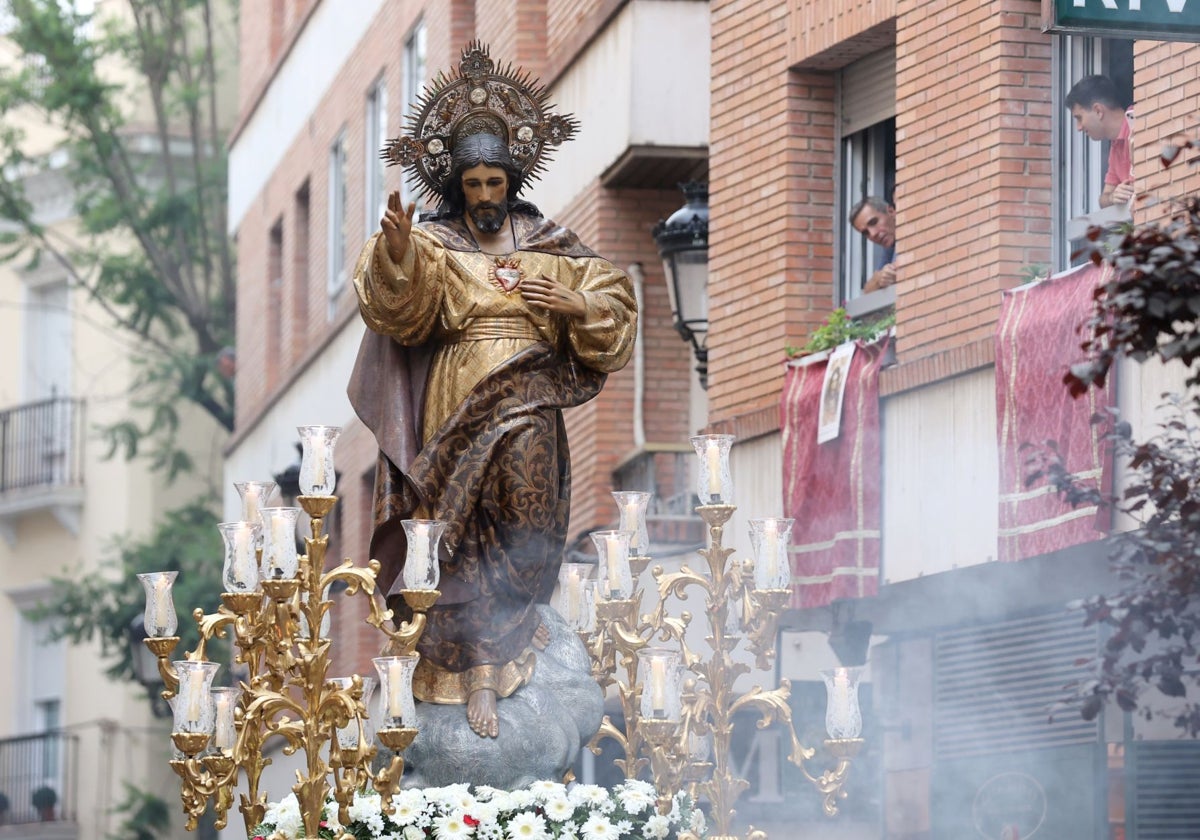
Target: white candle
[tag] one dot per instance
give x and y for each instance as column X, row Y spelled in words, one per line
column 318, row 456
column 280, row 534
column 613, row 545
column 394, row 707
column 420, row 549
column 658, row 684
column 243, row 554
column 251, row 504
column 629, row 522
column 712, row 456
column 224, row 735
column 162, row 603
column 770, row 549
column 574, row 596
column 195, row 696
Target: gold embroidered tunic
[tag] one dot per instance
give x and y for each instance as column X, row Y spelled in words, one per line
column 448, row 297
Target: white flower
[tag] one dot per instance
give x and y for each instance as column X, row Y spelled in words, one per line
column 518, row 799
column 286, row 816
column 365, row 806
column 487, row 813
column 559, row 809
column 599, row 828
column 568, row 833
column 414, row 833
column 593, row 796
column 527, row 826
column 451, row 827
column 545, row 789
column 698, row 826
column 407, row 807
column 635, row 799
column 656, row 827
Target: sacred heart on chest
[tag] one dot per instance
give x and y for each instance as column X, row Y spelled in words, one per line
column 507, row 274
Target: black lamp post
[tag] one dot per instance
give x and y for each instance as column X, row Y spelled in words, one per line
column 145, row 667
column 683, row 244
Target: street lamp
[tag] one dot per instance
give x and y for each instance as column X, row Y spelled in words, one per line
column 683, row 244
column 145, row 667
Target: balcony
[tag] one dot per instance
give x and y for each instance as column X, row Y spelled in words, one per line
column 44, row 767
column 41, row 462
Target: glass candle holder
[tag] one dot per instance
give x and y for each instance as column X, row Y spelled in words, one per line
column 616, row 579
column 194, row 711
column 396, row 706
column 843, row 717
column 421, row 567
column 661, row 680
column 769, row 540
column 317, row 476
column 160, row 618
column 714, row 485
column 279, row 557
column 575, row 596
column 240, row 572
column 633, row 505
column 225, row 702
column 348, row 735
column 255, row 496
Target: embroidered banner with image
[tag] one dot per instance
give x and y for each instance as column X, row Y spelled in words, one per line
column 1037, row 339
column 832, row 489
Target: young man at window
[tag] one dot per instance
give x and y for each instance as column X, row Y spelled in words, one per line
column 1098, row 111
column 875, row 219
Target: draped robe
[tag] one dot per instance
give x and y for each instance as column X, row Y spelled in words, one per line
column 463, row 384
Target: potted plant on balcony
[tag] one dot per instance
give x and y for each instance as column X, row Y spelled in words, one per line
column 44, row 800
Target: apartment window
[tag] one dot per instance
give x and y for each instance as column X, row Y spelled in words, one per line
column 337, row 220
column 866, row 99
column 376, row 134
column 1078, row 173
column 274, row 325
column 43, row 668
column 48, row 341
column 300, row 275
column 414, row 80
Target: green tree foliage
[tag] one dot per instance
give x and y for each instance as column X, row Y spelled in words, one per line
column 152, row 248
column 144, row 816
column 1150, row 307
column 102, row 606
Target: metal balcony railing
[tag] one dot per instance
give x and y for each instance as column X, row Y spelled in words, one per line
column 41, row 445
column 30, row 766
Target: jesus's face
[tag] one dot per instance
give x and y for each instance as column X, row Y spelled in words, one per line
column 485, row 189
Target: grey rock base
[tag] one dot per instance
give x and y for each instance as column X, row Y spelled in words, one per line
column 543, row 725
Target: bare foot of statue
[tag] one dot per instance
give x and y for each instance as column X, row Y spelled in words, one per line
column 541, row 637
column 481, row 713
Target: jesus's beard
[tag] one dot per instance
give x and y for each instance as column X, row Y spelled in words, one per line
column 489, row 218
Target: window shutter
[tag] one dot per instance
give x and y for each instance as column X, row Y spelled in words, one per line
column 868, row 90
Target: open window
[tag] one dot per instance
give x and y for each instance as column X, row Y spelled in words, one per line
column 866, row 104
column 1080, row 163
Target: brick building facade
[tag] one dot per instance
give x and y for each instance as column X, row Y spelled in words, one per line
column 952, row 111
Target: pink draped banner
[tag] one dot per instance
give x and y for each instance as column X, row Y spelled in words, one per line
column 1037, row 339
column 832, row 489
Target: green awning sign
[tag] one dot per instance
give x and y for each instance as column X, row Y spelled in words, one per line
column 1158, row 20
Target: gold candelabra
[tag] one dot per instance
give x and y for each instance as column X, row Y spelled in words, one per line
column 277, row 623
column 679, row 705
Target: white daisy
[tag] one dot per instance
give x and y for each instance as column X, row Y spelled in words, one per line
column 635, row 799
column 527, row 826
column 544, row 789
column 559, row 809
column 599, row 828
column 657, row 827
column 414, row 833
column 451, row 827
column 593, row 796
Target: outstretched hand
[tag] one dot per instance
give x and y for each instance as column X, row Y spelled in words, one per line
column 396, row 225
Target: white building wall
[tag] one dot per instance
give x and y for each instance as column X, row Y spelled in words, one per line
column 626, row 90
column 941, row 474
column 316, row 58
